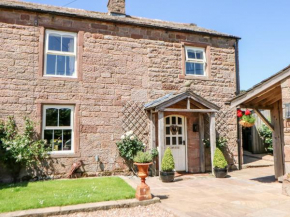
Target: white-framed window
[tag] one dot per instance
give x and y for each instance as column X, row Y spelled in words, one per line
column 60, row 54
column 195, row 62
column 57, row 127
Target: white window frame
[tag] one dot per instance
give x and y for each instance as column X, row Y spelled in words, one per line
column 72, row 54
column 191, row 60
column 44, row 127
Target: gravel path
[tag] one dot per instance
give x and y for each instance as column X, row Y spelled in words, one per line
column 140, row 211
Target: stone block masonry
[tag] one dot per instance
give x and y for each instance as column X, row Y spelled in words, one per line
column 119, row 63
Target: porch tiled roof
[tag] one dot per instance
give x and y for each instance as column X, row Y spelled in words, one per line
column 137, row 21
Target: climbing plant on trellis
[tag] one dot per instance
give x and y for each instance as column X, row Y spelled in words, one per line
column 136, row 119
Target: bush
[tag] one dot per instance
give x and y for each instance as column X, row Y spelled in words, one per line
column 266, row 135
column 20, row 150
column 154, row 153
column 143, row 157
column 219, row 160
column 221, row 142
column 167, row 164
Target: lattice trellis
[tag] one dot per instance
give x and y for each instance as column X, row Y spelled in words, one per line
column 136, row 119
column 222, row 124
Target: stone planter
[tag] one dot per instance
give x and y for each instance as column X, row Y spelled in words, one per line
column 143, row 190
column 220, row 172
column 167, row 176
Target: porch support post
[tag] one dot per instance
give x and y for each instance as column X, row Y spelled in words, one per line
column 160, row 137
column 201, row 145
column 153, row 139
column 212, row 138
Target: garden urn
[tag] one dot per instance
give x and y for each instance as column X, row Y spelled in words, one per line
column 143, row 190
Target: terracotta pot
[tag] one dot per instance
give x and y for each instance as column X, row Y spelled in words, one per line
column 143, row 190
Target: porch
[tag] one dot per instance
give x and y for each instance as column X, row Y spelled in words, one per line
column 181, row 122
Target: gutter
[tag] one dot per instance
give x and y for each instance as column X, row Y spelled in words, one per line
column 67, row 14
column 237, row 93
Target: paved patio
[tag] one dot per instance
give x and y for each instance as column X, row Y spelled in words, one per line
column 249, row 192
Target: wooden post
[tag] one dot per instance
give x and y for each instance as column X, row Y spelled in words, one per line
column 212, row 138
column 153, row 139
column 160, row 137
column 201, row 145
column 277, row 140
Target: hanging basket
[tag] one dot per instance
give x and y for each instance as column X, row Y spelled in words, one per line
column 246, row 124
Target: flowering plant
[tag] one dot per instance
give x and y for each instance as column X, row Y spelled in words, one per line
column 20, row 150
column 129, row 146
column 246, row 117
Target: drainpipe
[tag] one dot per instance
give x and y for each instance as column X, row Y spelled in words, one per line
column 237, row 93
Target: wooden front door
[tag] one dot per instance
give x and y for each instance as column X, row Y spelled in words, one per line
column 175, row 135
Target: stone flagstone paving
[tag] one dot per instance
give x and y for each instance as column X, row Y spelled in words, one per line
column 249, row 192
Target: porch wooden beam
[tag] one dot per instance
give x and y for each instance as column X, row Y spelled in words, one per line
column 161, row 138
column 258, row 106
column 212, row 139
column 201, row 145
column 189, row 110
column 264, row 119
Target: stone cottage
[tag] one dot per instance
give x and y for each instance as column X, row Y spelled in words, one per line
column 86, row 77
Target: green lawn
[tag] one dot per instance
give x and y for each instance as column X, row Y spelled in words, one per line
column 32, row 195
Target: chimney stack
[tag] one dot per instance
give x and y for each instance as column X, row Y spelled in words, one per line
column 116, row 7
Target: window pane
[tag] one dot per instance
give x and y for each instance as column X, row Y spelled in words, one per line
column 51, row 117
column 168, row 120
column 180, row 140
column 48, row 135
column 167, row 140
column 60, row 65
column 199, row 55
column 57, row 140
column 173, row 140
column 199, row 69
column 191, row 54
column 70, row 66
column 66, row 140
column 50, row 64
column 173, row 120
column 54, row 42
column 189, row 68
column 64, row 117
column 67, row 44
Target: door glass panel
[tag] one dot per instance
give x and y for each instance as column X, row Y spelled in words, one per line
column 173, row 120
column 167, row 140
column 179, row 121
column 167, row 130
column 180, row 130
column 179, row 140
column 173, row 140
column 168, row 120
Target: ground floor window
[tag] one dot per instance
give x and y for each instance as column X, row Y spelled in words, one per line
column 57, row 130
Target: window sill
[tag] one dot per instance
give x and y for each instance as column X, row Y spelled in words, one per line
column 64, row 155
column 59, row 78
column 193, row 77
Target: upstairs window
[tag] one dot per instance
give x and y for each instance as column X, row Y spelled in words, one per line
column 60, row 54
column 58, row 122
column 195, row 61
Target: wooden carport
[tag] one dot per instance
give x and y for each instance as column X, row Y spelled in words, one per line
column 268, row 95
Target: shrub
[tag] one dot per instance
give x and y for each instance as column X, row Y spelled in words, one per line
column 128, row 147
column 219, row 160
column 266, row 135
column 20, row 150
column 167, row 164
column 143, row 157
column 154, row 153
column 221, row 142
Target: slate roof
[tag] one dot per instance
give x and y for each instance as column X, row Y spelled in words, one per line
column 84, row 14
column 162, row 101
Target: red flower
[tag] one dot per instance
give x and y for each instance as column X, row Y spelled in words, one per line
column 240, row 114
column 247, row 112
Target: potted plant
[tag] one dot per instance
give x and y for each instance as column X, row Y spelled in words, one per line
column 246, row 118
column 167, row 167
column 220, row 164
column 143, row 160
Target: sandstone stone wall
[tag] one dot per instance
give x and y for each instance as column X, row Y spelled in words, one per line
column 120, row 64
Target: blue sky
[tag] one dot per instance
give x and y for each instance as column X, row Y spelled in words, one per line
column 262, row 25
